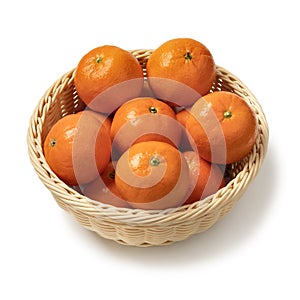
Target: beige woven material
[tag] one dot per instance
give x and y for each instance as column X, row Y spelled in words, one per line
column 132, row 226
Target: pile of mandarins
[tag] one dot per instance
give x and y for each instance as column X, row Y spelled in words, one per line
column 150, row 141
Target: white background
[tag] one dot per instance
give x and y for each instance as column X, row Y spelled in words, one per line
column 253, row 253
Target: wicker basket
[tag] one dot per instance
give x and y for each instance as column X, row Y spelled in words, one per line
column 134, row 226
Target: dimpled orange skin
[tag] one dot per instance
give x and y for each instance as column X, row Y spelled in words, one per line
column 145, row 119
column 205, row 178
column 78, row 147
column 237, row 127
column 183, row 60
column 107, row 67
column 152, row 175
column 104, row 189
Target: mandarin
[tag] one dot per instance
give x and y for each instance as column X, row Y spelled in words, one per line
column 144, row 119
column 205, row 178
column 181, row 71
column 103, row 188
column 152, row 175
column 223, row 127
column 77, row 147
column 107, row 76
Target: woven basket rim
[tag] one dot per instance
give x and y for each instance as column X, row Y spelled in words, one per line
column 139, row 216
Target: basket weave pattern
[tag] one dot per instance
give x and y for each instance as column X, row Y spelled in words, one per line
column 134, row 226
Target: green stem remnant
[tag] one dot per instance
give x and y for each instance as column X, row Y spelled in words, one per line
column 53, row 142
column 227, row 114
column 154, row 161
column 99, row 59
column 188, row 55
column 112, row 175
column 153, row 110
